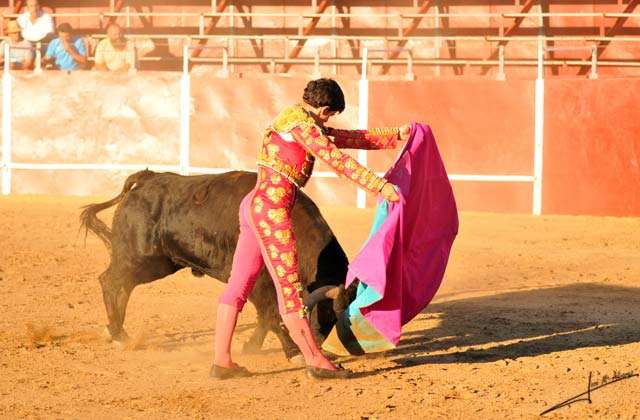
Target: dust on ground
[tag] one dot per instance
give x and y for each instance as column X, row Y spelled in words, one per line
column 529, row 308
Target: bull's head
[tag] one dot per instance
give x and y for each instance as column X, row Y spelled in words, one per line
column 340, row 298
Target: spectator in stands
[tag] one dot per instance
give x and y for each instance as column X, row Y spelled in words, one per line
column 21, row 51
column 37, row 26
column 67, row 52
column 114, row 52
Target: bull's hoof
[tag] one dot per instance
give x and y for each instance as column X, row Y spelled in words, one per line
column 220, row 372
column 319, row 373
column 117, row 337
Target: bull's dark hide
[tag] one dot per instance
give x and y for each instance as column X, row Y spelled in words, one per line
column 165, row 222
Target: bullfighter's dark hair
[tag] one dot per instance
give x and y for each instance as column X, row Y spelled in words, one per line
column 324, row 92
column 65, row 27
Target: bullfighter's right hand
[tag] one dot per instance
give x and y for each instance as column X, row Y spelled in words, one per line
column 389, row 193
column 404, row 131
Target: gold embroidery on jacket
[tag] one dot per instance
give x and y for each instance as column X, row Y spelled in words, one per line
column 298, row 177
column 272, row 150
column 322, row 141
column 291, row 117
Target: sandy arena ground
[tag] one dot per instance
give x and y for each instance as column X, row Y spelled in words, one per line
column 529, row 307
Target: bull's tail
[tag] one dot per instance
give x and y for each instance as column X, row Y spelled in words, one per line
column 89, row 219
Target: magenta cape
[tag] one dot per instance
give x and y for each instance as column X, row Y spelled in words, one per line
column 402, row 264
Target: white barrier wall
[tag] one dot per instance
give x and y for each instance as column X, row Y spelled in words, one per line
column 89, row 117
column 119, row 123
column 91, row 130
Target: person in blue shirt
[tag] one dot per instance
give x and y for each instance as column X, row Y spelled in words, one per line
column 66, row 52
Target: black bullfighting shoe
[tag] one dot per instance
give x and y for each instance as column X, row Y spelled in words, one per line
column 220, row 372
column 319, row 373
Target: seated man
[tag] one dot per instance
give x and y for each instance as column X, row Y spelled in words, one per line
column 114, row 52
column 21, row 51
column 37, row 26
column 67, row 51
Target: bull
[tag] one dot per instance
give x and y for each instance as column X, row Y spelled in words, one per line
column 165, row 222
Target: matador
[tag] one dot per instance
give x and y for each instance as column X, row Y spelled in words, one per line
column 291, row 145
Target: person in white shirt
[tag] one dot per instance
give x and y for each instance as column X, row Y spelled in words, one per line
column 37, row 26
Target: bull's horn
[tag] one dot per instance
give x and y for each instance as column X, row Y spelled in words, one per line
column 320, row 294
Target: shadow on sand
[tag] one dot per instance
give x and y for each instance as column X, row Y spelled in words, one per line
column 519, row 324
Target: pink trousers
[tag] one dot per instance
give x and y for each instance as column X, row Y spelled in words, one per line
column 266, row 238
